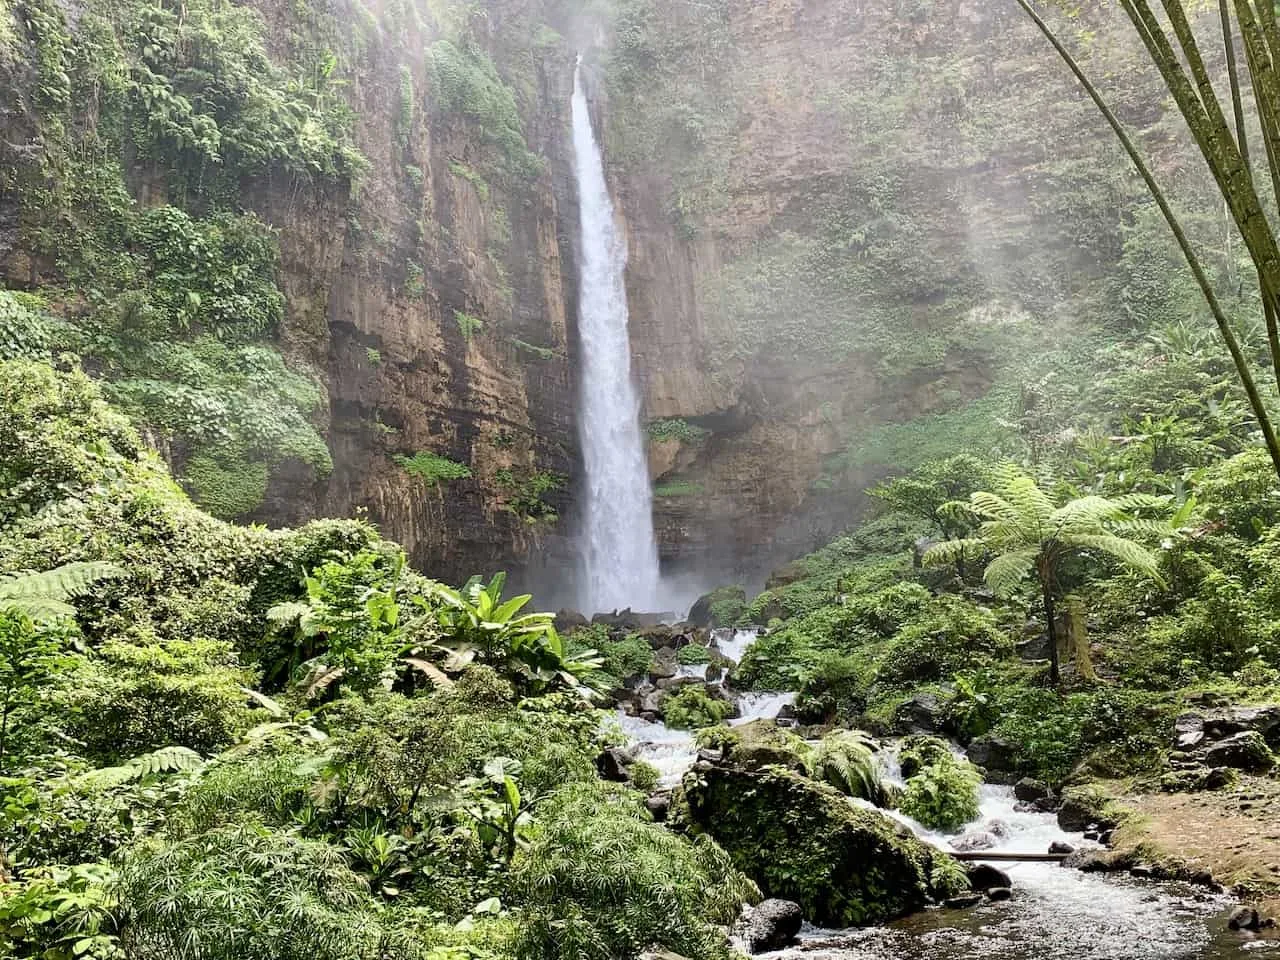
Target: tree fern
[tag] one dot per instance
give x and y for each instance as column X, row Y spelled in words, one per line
column 44, row 595
column 1029, row 535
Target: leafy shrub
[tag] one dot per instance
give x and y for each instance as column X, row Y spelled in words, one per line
column 24, row 332
column 433, row 468
column 227, row 486
column 467, row 84
column 692, row 654
column 951, row 634
column 676, row 429
column 943, row 795
column 600, row 882
column 644, row 776
column 691, row 708
column 846, row 760
column 919, row 751
column 230, row 884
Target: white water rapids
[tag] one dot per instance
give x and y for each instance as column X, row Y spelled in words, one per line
column 619, row 550
column 1055, row 913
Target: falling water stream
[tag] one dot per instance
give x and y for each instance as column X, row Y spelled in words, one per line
column 1055, row 914
column 619, row 550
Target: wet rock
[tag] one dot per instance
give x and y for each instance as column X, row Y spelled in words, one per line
column 921, row 714
column 1034, row 646
column 999, row 893
column 993, row 754
column 1188, row 732
column 1143, row 871
column 1030, row 790
column 1244, row 918
column 651, row 702
column 711, row 755
column 665, row 665
column 715, row 673
column 963, row 902
column 675, row 683
column 567, row 621
column 804, row 841
column 1058, row 846
column 1246, row 750
column 1084, row 810
column 1089, row 861
column 983, row 876
column 761, row 743
column 614, row 764
column 659, row 805
column 974, row 840
column 770, row 925
column 660, row 955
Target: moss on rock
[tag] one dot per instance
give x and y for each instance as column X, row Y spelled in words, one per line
column 805, row 841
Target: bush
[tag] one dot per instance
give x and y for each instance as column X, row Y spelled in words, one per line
column 600, row 881
column 692, row 654
column 943, row 795
column 691, row 709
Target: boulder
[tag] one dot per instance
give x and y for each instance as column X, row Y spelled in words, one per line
column 983, row 877
column 1188, row 732
column 974, row 840
column 567, row 621
column 664, row 666
column 921, row 714
column 658, row 806
column 1059, row 846
column 770, row 925
column 1245, row 750
column 994, row 754
column 762, row 743
column 1244, row 918
column 963, row 902
column 660, row 635
column 1090, row 861
column 804, row 841
column 614, row 764
column 659, row 954
column 1083, row 808
column 999, row 893
column 1030, row 790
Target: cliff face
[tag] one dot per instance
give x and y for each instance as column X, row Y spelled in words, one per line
column 845, row 220
column 847, row 216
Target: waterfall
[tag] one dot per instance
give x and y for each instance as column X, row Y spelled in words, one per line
column 619, row 551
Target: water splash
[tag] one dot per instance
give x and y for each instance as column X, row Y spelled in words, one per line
column 620, row 552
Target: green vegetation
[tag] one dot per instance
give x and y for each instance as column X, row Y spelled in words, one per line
column 676, row 429
column 526, row 493
column 468, row 324
column 201, row 722
column 943, row 794
column 691, row 708
column 677, row 488
column 433, row 468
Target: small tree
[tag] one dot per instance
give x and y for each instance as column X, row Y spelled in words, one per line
column 1029, row 534
column 927, row 491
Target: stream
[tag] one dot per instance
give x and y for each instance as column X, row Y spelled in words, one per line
column 1055, row 913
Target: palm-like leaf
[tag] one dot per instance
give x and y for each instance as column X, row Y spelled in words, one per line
column 1126, row 551
column 1006, row 571
column 44, row 595
column 949, row 551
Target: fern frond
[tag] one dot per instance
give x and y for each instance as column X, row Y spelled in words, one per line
column 288, row 613
column 44, row 595
column 1006, row 572
column 949, row 551
column 433, row 673
column 1032, row 504
column 1126, row 551
column 1086, row 513
column 165, row 760
column 262, row 700
column 990, row 506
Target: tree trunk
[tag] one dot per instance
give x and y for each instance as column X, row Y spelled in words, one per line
column 1050, row 617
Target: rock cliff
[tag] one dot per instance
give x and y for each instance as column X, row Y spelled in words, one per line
column 843, row 218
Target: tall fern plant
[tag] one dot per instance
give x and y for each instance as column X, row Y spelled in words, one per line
column 1029, row 535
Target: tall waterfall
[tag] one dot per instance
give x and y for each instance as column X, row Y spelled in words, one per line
column 619, row 551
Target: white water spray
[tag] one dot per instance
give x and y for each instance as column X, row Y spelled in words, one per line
column 620, row 552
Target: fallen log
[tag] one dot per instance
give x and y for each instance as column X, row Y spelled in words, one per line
column 1001, row 855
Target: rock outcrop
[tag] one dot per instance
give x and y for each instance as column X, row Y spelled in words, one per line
column 804, row 841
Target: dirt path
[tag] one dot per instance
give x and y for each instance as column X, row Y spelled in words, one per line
column 1234, row 833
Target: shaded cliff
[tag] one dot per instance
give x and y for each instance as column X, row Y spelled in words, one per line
column 324, row 252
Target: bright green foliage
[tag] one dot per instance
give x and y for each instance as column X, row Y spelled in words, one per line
column 846, row 760
column 467, row 85
column 602, row 882
column 622, row 659
column 476, row 624
column 644, row 776
column 678, row 488
column 943, row 795
column 526, row 493
column 44, row 596
column 25, row 333
column 468, row 324
column 676, row 429
column 61, row 913
column 433, row 468
column 226, row 485
column 29, row 659
column 691, row 709
column 290, row 898
column 1029, row 534
column 692, row 654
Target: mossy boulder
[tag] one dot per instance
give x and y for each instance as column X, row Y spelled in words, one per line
column 762, row 743
column 805, row 841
